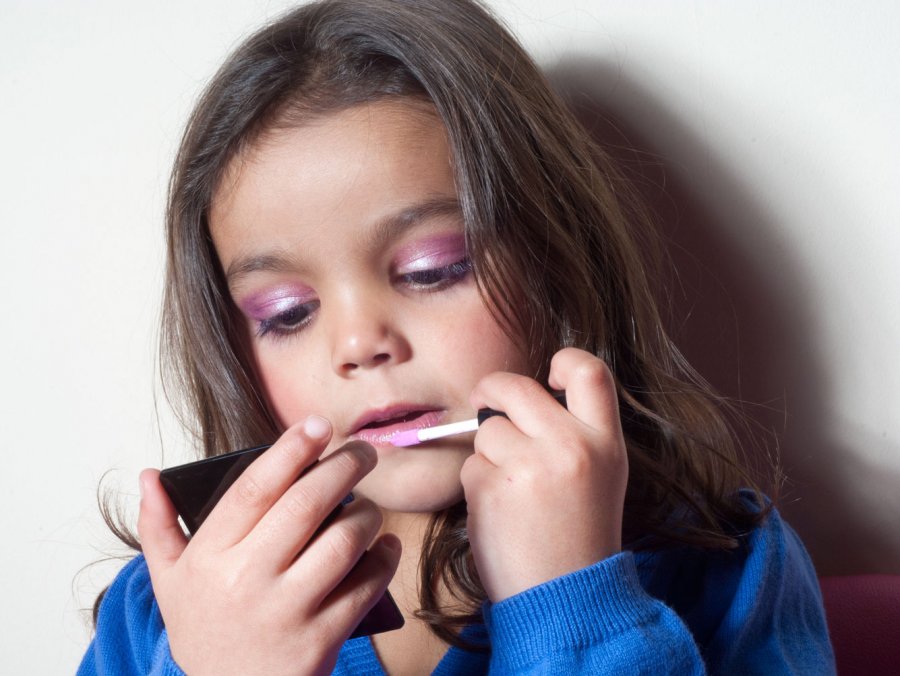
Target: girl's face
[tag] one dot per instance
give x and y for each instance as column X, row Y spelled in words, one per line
column 342, row 242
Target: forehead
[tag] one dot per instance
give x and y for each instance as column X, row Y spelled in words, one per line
column 333, row 175
column 394, row 127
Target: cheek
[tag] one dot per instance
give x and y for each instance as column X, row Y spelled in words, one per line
column 290, row 390
column 475, row 339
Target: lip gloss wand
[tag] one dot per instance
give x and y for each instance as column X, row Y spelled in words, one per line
column 413, row 437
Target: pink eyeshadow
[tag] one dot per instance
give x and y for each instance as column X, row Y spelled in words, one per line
column 270, row 302
column 430, row 252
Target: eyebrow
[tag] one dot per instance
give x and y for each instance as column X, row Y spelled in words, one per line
column 396, row 224
column 382, row 232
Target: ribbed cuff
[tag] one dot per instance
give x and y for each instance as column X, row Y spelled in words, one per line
column 576, row 610
column 163, row 662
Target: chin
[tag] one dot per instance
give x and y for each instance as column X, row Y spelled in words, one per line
column 410, row 489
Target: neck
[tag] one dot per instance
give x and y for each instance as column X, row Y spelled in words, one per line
column 412, row 649
column 410, row 528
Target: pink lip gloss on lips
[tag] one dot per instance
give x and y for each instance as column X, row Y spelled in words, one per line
column 380, row 432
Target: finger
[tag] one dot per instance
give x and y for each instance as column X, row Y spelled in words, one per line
column 162, row 539
column 498, row 440
column 530, row 407
column 333, row 552
column 297, row 515
column 474, row 474
column 363, row 587
column 590, row 388
column 261, row 485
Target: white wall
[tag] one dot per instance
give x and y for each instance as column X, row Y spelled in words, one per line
column 775, row 124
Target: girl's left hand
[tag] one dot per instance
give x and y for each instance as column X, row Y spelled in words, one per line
column 545, row 488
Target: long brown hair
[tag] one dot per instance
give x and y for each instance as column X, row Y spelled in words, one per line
column 549, row 222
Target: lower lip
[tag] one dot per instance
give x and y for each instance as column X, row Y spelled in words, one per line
column 381, row 436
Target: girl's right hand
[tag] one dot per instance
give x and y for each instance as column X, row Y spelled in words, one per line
column 253, row 592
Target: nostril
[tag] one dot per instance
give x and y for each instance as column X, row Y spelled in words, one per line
column 375, row 360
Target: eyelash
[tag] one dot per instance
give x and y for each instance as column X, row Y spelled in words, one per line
column 295, row 318
column 435, row 279
column 287, row 322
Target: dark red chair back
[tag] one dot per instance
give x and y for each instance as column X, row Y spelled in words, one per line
column 863, row 614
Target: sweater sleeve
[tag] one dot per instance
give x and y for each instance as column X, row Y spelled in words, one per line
column 596, row 620
column 755, row 613
column 130, row 637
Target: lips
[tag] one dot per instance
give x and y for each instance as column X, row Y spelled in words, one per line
column 378, row 426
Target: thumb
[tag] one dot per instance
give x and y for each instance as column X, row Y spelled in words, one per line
column 162, row 539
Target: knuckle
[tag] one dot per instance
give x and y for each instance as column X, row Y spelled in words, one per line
column 345, row 541
column 564, row 357
column 536, row 475
column 232, row 586
column 471, row 476
column 248, row 491
column 574, row 459
column 356, row 458
column 229, row 582
column 359, row 597
column 290, row 446
column 304, row 505
column 293, row 448
column 618, row 458
column 369, row 511
column 594, row 371
column 512, row 384
column 468, row 470
column 490, row 380
column 523, row 388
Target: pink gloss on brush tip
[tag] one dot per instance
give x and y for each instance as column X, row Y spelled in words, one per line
column 407, row 438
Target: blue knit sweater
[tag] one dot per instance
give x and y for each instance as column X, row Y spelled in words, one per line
column 683, row 611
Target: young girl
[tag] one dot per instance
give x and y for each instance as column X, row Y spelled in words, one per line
column 382, row 219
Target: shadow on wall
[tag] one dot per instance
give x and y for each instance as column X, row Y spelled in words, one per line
column 742, row 316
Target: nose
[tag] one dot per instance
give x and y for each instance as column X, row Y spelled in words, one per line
column 366, row 336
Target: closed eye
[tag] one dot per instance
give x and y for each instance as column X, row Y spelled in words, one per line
column 288, row 321
column 434, row 279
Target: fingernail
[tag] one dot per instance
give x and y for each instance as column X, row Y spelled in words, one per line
column 316, row 427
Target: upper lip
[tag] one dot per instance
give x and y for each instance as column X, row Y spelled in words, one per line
column 389, row 413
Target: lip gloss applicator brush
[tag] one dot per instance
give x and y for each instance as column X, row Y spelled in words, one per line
column 413, row 437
